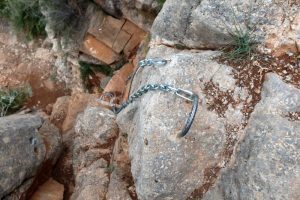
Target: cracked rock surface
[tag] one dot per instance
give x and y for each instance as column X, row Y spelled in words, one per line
column 164, row 166
column 267, row 161
column 27, row 147
column 211, row 23
column 95, row 132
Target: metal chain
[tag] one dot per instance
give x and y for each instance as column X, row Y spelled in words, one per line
column 147, row 62
column 185, row 94
column 141, row 91
column 153, row 62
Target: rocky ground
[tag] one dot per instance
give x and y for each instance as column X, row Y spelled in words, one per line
column 29, row 64
column 244, row 141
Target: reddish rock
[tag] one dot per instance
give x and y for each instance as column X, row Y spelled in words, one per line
column 137, row 36
column 131, row 28
column 121, row 40
column 59, row 111
column 98, row 49
column 107, row 30
column 77, row 104
column 282, row 40
column 117, row 84
column 51, row 190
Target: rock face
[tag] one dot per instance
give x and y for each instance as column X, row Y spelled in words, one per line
column 96, row 131
column 211, row 23
column 164, row 166
column 267, row 160
column 28, row 146
column 121, row 185
column 141, row 12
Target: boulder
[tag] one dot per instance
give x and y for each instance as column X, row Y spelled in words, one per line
column 59, row 111
column 95, row 132
column 164, row 166
column 266, row 162
column 28, row 147
column 215, row 23
column 76, row 104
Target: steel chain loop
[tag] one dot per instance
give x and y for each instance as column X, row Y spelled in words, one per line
column 185, row 94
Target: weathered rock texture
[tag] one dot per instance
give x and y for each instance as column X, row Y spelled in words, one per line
column 28, row 147
column 107, row 37
column 51, row 190
column 141, row 12
column 121, row 185
column 96, row 131
column 267, row 161
column 211, row 23
column 164, row 166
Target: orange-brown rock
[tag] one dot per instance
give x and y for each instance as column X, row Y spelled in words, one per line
column 137, row 36
column 131, row 28
column 77, row 104
column 51, row 190
column 107, row 30
column 98, row 49
column 121, row 40
column 118, row 82
column 59, row 111
column 282, row 40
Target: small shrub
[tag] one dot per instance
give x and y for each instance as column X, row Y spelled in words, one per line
column 11, row 100
column 65, row 17
column 88, row 69
column 25, row 16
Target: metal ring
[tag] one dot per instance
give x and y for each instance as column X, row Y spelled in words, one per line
column 190, row 118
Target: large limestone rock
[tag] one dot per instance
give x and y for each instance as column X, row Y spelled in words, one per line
column 95, row 132
column 28, row 146
column 267, row 161
column 164, row 166
column 211, row 23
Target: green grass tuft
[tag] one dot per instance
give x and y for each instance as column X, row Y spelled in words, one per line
column 242, row 46
column 11, row 100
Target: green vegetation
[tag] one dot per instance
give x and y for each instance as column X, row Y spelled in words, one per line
column 11, row 100
column 161, row 2
column 110, row 168
column 25, row 16
column 88, row 69
column 242, row 46
column 65, row 17
column 120, row 63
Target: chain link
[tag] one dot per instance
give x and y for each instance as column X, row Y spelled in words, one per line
column 185, row 94
column 152, row 87
column 153, row 62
